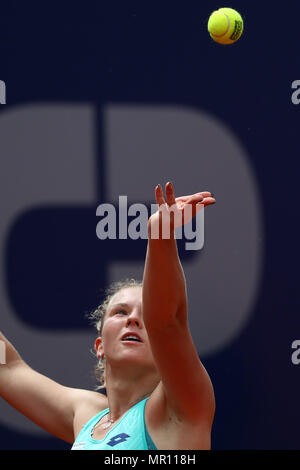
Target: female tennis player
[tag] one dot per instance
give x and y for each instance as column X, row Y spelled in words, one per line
column 158, row 393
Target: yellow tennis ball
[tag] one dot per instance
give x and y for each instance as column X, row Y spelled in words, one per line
column 225, row 25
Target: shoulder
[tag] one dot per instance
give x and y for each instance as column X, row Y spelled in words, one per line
column 86, row 405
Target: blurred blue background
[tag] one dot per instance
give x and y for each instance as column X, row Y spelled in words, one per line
column 98, row 54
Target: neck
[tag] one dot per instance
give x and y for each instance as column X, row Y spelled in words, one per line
column 124, row 395
column 130, row 405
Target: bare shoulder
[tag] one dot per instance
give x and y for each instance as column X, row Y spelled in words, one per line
column 87, row 404
column 168, row 431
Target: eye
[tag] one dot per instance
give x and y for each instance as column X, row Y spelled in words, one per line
column 121, row 312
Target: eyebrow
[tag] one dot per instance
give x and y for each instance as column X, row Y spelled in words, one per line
column 120, row 304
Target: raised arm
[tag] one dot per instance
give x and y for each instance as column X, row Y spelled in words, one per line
column 45, row 402
column 186, row 384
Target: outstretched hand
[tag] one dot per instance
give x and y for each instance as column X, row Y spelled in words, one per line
column 174, row 212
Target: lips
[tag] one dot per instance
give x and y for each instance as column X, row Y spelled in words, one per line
column 133, row 335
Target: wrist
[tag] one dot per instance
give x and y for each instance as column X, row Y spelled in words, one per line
column 158, row 229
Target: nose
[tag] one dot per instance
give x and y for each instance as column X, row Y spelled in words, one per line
column 134, row 319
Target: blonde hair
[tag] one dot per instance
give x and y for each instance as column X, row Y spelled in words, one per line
column 97, row 318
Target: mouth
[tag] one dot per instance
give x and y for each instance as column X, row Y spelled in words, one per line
column 131, row 338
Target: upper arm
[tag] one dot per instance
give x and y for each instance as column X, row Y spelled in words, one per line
column 186, row 384
column 45, row 402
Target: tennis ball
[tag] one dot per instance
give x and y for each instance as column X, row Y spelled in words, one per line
column 225, row 25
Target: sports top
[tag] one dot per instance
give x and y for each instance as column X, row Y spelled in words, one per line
column 130, row 433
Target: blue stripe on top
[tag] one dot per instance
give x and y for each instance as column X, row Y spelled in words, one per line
column 130, row 433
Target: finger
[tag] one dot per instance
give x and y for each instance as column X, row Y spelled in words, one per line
column 191, row 200
column 201, row 205
column 170, row 195
column 194, row 198
column 208, row 200
column 202, row 193
column 159, row 195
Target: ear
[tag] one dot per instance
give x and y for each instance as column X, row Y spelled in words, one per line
column 98, row 346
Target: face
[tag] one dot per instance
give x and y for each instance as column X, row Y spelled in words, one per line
column 124, row 315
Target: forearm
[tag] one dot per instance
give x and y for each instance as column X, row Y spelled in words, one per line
column 164, row 288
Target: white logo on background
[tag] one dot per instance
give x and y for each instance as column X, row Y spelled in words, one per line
column 191, row 148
